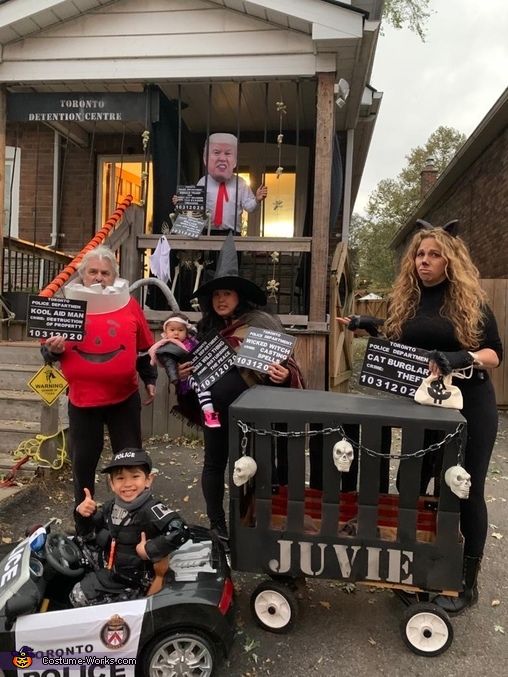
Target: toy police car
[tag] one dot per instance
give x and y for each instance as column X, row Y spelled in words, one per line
column 184, row 629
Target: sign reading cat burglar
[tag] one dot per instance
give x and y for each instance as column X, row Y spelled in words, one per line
column 263, row 347
column 211, row 359
column 394, row 367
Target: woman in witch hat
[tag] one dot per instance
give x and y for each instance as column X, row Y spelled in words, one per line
column 231, row 305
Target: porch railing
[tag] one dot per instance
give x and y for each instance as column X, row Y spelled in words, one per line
column 280, row 266
column 27, row 267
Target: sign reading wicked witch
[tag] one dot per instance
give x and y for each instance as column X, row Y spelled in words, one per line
column 263, row 347
column 211, row 359
column 393, row 367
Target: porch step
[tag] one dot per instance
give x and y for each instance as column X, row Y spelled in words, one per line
column 14, row 432
column 21, row 353
column 21, row 405
column 7, row 461
column 16, row 376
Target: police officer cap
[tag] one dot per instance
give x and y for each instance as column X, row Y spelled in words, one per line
column 129, row 457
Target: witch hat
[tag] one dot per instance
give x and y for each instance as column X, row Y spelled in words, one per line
column 226, row 277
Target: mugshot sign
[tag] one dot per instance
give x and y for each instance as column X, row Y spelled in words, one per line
column 211, row 359
column 393, row 367
column 190, row 198
column 188, row 226
column 55, row 317
column 263, row 347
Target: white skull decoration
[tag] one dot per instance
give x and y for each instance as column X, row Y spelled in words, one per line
column 459, row 481
column 244, row 469
column 343, row 455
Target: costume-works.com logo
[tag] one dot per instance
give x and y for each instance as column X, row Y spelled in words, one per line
column 22, row 658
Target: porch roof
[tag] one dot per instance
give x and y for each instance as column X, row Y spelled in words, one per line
column 121, row 45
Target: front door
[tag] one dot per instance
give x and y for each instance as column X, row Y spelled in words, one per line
column 118, row 178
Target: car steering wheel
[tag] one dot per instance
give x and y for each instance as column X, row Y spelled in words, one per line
column 63, row 555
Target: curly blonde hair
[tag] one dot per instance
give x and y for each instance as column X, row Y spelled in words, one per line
column 464, row 298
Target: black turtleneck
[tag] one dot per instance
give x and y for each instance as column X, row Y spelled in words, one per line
column 431, row 331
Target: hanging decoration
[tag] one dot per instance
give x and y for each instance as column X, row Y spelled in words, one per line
column 418, row 453
column 459, row 481
column 282, row 110
column 272, row 286
column 145, row 136
column 245, row 467
column 343, row 455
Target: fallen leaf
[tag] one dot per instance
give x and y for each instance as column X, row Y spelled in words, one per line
column 185, row 499
column 372, row 641
column 495, row 602
column 326, row 605
column 6, row 539
column 499, row 628
column 497, row 535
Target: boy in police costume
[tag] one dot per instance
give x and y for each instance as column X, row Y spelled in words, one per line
column 133, row 530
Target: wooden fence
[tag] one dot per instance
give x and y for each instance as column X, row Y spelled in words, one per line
column 497, row 292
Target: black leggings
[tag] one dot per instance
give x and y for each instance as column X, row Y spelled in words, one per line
column 86, row 427
column 224, row 392
column 480, row 413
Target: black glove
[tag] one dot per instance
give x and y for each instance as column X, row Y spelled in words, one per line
column 48, row 356
column 367, row 322
column 447, row 362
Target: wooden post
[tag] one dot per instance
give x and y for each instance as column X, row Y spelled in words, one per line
column 325, row 130
column 2, row 184
column 49, row 426
column 130, row 259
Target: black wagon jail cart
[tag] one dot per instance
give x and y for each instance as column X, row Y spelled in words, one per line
column 320, row 522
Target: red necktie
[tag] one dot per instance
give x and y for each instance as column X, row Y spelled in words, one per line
column 222, row 194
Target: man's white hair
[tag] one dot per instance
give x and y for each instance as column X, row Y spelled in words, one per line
column 223, row 137
column 100, row 252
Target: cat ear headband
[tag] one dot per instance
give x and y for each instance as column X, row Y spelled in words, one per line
column 451, row 227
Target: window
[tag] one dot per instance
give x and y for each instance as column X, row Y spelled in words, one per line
column 11, row 191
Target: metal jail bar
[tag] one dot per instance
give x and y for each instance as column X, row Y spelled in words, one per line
column 298, row 529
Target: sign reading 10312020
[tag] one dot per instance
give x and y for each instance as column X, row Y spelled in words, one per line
column 394, row 367
column 55, row 317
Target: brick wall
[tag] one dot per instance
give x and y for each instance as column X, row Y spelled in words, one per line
column 36, row 179
column 78, row 185
column 480, row 201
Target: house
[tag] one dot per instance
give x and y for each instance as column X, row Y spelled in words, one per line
column 105, row 98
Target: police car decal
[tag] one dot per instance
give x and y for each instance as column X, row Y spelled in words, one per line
column 69, row 643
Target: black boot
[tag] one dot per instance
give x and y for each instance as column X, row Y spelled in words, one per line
column 469, row 596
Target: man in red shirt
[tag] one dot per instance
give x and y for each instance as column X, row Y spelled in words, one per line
column 102, row 370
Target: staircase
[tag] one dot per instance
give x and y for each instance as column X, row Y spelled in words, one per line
column 20, row 406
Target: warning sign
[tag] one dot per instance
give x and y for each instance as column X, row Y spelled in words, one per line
column 48, row 383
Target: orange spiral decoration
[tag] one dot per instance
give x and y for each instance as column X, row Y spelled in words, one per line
column 98, row 239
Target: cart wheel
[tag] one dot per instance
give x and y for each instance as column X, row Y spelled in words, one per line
column 426, row 629
column 274, row 606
